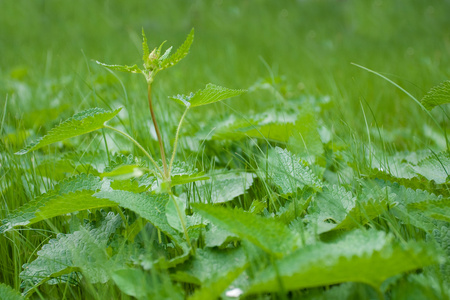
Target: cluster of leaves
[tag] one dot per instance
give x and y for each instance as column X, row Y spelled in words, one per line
column 312, row 233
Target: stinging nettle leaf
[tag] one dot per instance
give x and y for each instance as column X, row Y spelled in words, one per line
column 181, row 52
column 71, row 195
column 81, row 123
column 82, row 250
column 368, row 257
column 151, row 207
column 438, row 95
column 8, row 293
column 210, row 94
column 268, row 234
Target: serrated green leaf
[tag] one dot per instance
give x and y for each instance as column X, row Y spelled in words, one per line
column 81, row 123
column 289, row 173
column 225, row 187
column 438, row 95
column 329, row 208
column 210, row 94
column 368, row 257
column 8, row 293
column 268, row 234
column 181, row 52
column 124, row 172
column 209, row 265
column 218, row 284
column 305, row 139
column 149, row 206
column 145, row 50
column 187, row 178
column 128, row 69
column 83, row 250
column 70, row 195
column 172, row 215
column 435, row 167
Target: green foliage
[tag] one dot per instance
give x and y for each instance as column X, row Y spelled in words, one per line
column 71, row 195
column 81, row 123
column 137, row 283
column 7, row 293
column 289, row 173
column 268, row 234
column 225, row 187
column 369, row 257
column 212, row 93
column 151, row 207
column 81, row 251
column 181, row 52
column 438, row 95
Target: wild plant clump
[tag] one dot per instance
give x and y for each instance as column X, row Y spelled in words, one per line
column 299, row 218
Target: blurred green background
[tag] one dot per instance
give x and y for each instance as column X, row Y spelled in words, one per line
column 302, row 47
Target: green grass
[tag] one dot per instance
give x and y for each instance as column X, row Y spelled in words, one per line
column 342, row 127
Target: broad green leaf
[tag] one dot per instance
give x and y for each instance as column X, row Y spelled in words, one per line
column 438, row 95
column 142, row 285
column 181, row 52
column 81, row 123
column 81, row 251
column 8, row 293
column 124, row 172
column 305, row 139
column 329, row 208
column 289, row 173
column 218, row 284
column 128, row 69
column 71, row 195
column 368, row 257
column 435, row 167
column 442, row 237
column 133, row 282
column 212, row 93
column 151, row 207
column 436, row 209
column 419, row 287
column 225, row 187
column 187, row 178
column 218, row 237
column 268, row 234
column 209, row 265
column 172, row 214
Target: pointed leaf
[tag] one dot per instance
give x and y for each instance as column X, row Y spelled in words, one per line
column 145, row 50
column 369, row 257
column 225, row 187
column 81, row 123
column 213, row 93
column 289, row 173
column 268, row 234
column 438, row 95
column 83, row 250
column 8, row 293
column 182, row 51
column 435, row 167
column 70, row 195
column 151, row 207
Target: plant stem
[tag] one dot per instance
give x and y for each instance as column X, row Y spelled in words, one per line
column 139, row 146
column 174, row 151
column 182, row 220
column 158, row 133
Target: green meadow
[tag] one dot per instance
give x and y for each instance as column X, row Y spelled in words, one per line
column 292, row 149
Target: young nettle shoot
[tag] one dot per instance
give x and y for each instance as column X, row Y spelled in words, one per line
column 96, row 118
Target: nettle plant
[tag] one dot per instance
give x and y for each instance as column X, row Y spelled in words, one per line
column 96, row 118
column 324, row 225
